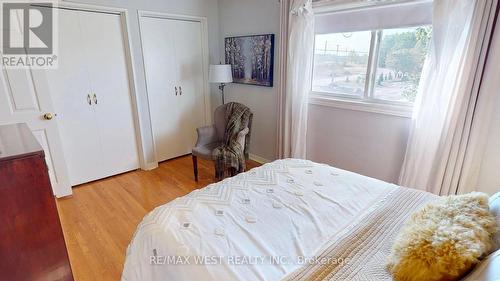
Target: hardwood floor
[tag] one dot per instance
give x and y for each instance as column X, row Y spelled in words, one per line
column 100, row 218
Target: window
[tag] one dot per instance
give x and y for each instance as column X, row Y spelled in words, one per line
column 377, row 65
column 341, row 62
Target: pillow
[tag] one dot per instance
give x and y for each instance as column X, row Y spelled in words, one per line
column 494, row 203
column 486, row 270
column 444, row 239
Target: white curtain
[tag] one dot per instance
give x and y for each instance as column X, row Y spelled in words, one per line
column 299, row 61
column 448, row 94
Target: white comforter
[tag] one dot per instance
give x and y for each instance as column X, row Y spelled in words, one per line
column 259, row 225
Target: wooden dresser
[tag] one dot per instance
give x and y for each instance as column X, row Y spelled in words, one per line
column 31, row 239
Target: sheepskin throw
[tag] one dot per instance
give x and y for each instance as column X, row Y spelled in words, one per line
column 444, row 239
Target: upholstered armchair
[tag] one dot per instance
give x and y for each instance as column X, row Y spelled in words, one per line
column 210, row 137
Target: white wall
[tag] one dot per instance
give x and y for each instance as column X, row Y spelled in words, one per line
column 370, row 144
column 244, row 17
column 204, row 8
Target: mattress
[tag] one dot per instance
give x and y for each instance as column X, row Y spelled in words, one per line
column 289, row 219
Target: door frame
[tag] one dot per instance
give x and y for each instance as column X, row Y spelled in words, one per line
column 205, row 54
column 129, row 61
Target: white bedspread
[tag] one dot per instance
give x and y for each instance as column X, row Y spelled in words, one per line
column 259, row 225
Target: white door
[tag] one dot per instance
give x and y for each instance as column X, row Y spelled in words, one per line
column 106, row 60
column 24, row 98
column 71, row 93
column 91, row 95
column 173, row 59
column 189, row 55
column 161, row 74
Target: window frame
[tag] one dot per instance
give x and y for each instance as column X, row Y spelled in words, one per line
column 366, row 102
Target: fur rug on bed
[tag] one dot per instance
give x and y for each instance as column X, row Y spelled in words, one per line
column 444, row 239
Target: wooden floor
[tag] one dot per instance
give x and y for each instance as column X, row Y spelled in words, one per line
column 100, row 218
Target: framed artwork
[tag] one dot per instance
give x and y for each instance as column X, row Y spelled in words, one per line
column 251, row 59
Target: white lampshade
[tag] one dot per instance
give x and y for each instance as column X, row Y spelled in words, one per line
column 220, row 73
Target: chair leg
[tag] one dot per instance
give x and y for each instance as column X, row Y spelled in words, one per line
column 218, row 174
column 195, row 167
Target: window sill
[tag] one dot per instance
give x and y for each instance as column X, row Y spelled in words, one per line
column 400, row 110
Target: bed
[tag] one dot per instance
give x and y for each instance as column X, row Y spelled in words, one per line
column 286, row 220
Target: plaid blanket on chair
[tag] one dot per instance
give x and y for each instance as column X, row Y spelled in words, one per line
column 230, row 156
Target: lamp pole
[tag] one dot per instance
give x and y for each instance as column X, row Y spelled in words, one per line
column 221, row 88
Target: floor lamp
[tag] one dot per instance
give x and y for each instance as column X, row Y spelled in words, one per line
column 220, row 73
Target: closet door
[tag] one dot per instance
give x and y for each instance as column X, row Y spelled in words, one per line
column 158, row 46
column 106, row 61
column 173, row 58
column 71, row 94
column 91, row 96
column 189, row 54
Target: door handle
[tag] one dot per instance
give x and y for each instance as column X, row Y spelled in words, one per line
column 48, row 116
column 180, row 90
column 175, row 90
column 95, row 98
column 89, row 100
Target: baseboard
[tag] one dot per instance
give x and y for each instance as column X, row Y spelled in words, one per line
column 65, row 194
column 258, row 159
column 150, row 166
